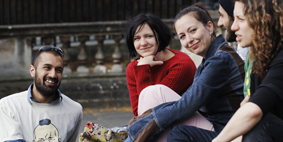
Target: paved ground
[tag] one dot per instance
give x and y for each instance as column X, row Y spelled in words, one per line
column 107, row 117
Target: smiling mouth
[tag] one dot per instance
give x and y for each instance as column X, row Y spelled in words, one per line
column 146, row 48
column 194, row 45
column 50, row 82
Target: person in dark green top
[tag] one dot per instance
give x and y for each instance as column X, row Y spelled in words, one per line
column 248, row 70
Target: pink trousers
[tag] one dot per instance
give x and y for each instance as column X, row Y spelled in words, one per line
column 154, row 95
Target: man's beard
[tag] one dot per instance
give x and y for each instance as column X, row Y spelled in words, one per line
column 46, row 91
column 230, row 37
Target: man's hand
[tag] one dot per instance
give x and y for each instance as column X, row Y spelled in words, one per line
column 150, row 60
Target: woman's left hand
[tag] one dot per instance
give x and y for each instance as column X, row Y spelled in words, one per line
column 150, row 60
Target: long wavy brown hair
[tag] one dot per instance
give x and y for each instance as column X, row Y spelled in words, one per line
column 265, row 17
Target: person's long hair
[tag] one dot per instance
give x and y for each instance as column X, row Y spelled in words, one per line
column 266, row 19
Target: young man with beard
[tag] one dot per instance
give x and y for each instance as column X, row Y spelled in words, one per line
column 21, row 112
column 225, row 21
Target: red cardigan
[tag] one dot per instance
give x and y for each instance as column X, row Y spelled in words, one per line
column 177, row 73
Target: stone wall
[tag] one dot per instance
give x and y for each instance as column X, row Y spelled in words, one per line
column 98, row 91
column 15, row 58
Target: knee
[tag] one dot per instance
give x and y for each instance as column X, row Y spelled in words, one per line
column 147, row 91
column 156, row 87
column 161, row 86
column 152, row 89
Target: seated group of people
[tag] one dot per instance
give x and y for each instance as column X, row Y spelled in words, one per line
column 224, row 99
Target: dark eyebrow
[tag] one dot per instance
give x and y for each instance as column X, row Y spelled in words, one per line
column 180, row 33
column 136, row 36
column 60, row 68
column 47, row 65
column 148, row 34
column 187, row 29
column 51, row 66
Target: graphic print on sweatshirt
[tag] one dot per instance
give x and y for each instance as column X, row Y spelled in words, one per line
column 45, row 131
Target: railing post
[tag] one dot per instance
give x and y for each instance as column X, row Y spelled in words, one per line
column 82, row 57
column 99, row 56
column 117, row 55
column 66, row 44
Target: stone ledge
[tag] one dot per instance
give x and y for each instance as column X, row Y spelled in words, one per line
column 66, row 76
column 91, row 90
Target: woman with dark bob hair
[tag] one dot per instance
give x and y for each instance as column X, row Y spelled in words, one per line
column 157, row 27
column 217, row 89
column 147, row 38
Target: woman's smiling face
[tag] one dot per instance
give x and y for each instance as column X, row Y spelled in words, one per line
column 193, row 35
column 145, row 41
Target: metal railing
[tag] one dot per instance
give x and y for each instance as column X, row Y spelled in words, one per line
column 15, row 12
